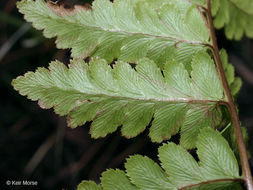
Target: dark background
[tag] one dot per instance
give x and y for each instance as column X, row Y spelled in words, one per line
column 36, row 144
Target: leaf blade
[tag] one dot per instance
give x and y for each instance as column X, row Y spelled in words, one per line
column 121, row 95
column 128, row 30
column 219, row 155
column 146, row 174
column 116, row 179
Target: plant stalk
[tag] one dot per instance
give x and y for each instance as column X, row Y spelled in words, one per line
column 231, row 105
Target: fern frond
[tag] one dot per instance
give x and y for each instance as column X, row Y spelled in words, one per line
column 127, row 30
column 130, row 97
column 217, row 169
column 244, row 5
column 115, row 180
column 89, row 185
column 236, row 16
column 235, row 83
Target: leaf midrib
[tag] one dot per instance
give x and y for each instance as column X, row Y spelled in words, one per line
column 154, row 100
column 147, row 35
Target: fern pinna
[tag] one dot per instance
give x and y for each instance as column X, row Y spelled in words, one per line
column 180, row 83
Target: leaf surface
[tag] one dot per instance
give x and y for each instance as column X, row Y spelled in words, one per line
column 235, row 83
column 236, row 16
column 217, row 160
column 179, row 168
column 130, row 97
column 212, row 149
column 127, row 30
column 146, row 174
column 88, row 185
column 115, row 180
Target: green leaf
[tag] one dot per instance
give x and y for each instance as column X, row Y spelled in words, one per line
column 230, row 136
column 217, row 160
column 216, row 170
column 180, row 165
column 130, row 97
column 236, row 16
column 236, row 86
column 165, row 125
column 88, row 185
column 235, row 83
column 213, row 171
column 146, row 174
column 205, row 77
column 215, row 5
column 127, row 30
column 217, row 185
column 244, row 5
column 115, row 180
column 197, row 118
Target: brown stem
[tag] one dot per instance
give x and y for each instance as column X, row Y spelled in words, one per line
column 231, row 105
